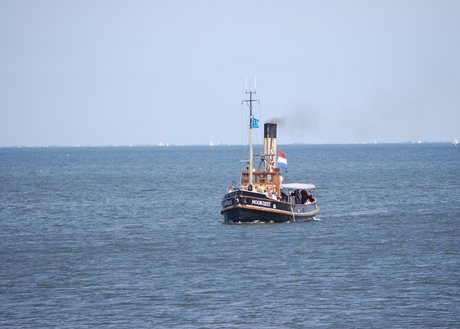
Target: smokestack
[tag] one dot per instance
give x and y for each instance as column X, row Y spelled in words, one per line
column 270, row 146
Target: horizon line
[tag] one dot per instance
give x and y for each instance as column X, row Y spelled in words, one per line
column 216, row 145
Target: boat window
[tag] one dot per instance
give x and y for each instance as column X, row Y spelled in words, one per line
column 262, row 179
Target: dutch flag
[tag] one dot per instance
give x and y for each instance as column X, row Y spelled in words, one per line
column 282, row 161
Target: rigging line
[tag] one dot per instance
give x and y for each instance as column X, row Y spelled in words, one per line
column 242, row 127
column 242, row 132
column 244, row 135
column 260, row 130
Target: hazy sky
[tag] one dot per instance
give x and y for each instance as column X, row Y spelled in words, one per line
column 143, row 72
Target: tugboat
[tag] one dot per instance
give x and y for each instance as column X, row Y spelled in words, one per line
column 261, row 195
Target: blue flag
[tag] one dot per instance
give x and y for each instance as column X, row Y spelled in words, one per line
column 255, row 123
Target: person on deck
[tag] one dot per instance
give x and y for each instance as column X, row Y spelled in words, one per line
column 304, row 196
column 298, row 197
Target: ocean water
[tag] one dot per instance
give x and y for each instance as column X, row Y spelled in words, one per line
column 133, row 237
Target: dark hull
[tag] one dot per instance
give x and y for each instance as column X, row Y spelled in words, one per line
column 243, row 206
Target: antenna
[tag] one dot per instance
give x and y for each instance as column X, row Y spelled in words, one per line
column 250, row 91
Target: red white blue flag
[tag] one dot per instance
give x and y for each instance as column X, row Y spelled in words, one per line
column 282, row 161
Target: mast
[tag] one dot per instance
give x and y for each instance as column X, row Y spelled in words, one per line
column 251, row 161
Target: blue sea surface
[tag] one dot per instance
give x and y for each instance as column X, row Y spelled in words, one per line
column 133, row 237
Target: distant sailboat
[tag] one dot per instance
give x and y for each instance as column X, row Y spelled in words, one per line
column 455, row 142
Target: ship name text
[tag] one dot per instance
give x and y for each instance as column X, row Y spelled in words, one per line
column 261, row 203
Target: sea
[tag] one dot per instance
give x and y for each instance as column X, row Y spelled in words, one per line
column 132, row 237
